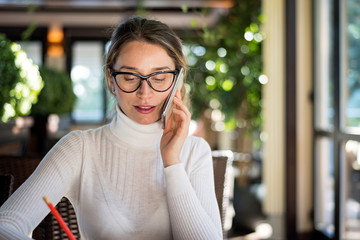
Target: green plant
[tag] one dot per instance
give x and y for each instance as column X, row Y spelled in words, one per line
column 57, row 95
column 226, row 67
column 20, row 81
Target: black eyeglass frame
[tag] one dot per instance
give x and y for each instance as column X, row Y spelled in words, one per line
column 113, row 74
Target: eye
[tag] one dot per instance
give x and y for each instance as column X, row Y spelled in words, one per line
column 160, row 77
column 129, row 77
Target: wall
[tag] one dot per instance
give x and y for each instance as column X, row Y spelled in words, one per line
column 274, row 113
column 304, row 115
column 274, row 107
column 273, row 134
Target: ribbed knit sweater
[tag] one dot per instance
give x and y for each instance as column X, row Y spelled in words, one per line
column 115, row 179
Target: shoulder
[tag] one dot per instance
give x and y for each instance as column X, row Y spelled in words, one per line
column 78, row 137
column 193, row 143
column 196, row 150
column 68, row 144
column 197, row 156
column 83, row 134
column 73, row 136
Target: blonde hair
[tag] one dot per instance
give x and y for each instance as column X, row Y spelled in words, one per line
column 151, row 31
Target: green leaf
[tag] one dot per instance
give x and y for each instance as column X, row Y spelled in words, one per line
column 184, row 8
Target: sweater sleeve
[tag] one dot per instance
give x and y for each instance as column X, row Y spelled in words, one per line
column 54, row 176
column 194, row 213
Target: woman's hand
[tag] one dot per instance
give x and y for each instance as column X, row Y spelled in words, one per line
column 174, row 137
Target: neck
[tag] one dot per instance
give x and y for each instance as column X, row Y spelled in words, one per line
column 140, row 135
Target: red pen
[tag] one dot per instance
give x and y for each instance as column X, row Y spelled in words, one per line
column 59, row 219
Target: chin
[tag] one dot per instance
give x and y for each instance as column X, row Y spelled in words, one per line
column 146, row 121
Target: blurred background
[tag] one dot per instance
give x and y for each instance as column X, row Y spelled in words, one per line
column 273, row 83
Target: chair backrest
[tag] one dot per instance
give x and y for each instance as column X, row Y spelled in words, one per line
column 6, row 186
column 21, row 168
column 224, row 181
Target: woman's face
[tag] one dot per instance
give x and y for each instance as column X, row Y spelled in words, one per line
column 145, row 104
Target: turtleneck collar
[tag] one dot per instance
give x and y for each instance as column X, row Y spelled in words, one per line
column 131, row 132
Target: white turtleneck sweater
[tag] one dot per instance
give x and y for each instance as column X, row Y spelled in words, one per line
column 115, row 179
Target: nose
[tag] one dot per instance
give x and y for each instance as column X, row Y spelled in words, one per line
column 144, row 89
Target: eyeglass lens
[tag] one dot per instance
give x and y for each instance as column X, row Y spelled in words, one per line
column 159, row 82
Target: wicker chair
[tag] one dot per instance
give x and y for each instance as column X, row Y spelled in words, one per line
column 224, row 182
column 20, row 168
column 6, row 186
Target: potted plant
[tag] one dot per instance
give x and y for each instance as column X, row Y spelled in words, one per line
column 57, row 97
column 21, row 84
column 20, row 81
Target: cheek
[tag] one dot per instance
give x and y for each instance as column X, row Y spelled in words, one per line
column 122, row 99
column 163, row 97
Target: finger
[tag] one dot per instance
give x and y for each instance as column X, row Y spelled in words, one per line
column 178, row 94
column 182, row 122
column 181, row 106
column 180, row 115
column 168, row 124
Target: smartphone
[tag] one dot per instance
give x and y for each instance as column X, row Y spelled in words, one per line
column 169, row 105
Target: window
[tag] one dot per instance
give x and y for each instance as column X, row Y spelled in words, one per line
column 350, row 121
column 324, row 119
column 351, row 67
column 337, row 118
column 33, row 50
column 88, row 81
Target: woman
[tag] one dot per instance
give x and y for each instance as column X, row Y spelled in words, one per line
column 129, row 179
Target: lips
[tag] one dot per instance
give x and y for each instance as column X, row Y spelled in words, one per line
column 145, row 109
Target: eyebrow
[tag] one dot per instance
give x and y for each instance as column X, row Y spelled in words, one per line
column 135, row 69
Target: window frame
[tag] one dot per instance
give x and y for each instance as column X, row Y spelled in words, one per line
column 338, row 134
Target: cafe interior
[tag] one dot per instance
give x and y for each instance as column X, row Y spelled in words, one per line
column 284, row 128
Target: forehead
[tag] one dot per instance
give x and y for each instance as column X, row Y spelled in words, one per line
column 143, row 55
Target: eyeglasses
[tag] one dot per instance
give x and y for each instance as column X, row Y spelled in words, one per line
column 130, row 82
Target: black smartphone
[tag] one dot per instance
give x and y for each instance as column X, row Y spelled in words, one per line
column 169, row 105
